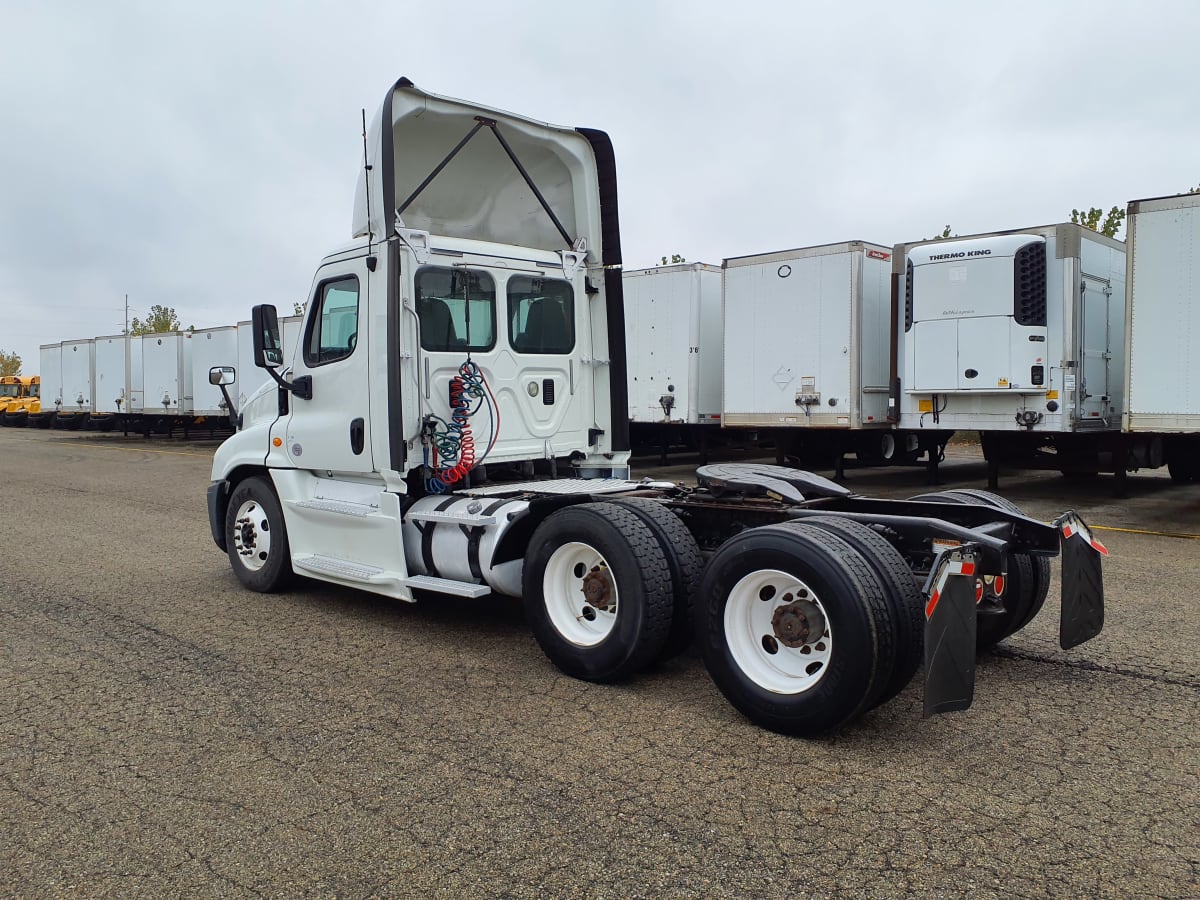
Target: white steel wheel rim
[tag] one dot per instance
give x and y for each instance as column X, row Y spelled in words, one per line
column 750, row 632
column 252, row 535
column 571, row 570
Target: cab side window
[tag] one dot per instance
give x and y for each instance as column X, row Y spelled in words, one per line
column 541, row 315
column 456, row 308
column 333, row 328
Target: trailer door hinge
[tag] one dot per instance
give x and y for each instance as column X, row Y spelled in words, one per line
column 587, row 361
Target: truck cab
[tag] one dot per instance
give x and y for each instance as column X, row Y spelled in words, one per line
column 463, row 336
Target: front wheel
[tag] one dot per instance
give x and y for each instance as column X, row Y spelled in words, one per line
column 256, row 537
column 597, row 591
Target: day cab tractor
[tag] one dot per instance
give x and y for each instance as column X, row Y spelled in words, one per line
column 453, row 423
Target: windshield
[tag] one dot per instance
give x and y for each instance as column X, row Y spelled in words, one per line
column 10, row 390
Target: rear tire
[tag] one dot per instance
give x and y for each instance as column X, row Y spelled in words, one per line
column 256, row 538
column 684, row 562
column 908, row 604
column 1040, row 565
column 1026, row 583
column 597, row 591
column 763, row 597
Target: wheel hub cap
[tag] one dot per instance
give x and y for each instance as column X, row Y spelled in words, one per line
column 797, row 623
column 597, row 588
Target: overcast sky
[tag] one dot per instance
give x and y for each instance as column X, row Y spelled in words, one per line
column 204, row 155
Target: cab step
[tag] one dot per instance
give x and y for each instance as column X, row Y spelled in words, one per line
column 342, row 568
column 341, row 507
column 447, row 586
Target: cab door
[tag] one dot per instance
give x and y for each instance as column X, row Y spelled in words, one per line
column 332, row 431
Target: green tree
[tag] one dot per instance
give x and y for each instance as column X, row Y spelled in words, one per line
column 1095, row 219
column 160, row 319
column 943, row 236
column 676, row 259
column 297, row 308
column 10, row 363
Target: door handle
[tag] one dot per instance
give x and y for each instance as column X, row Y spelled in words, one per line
column 358, row 431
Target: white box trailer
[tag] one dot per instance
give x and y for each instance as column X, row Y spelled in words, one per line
column 213, row 347
column 167, row 373
column 1163, row 319
column 78, row 377
column 1162, row 362
column 807, row 338
column 1017, row 335
column 673, row 344
column 118, row 374
column 50, row 361
column 249, row 377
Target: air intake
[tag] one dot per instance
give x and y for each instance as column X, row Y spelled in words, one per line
column 1029, row 285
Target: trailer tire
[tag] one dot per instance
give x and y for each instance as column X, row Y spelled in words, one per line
column 1027, row 583
column 756, row 656
column 256, row 537
column 904, row 594
column 684, row 562
column 597, row 591
column 1183, row 471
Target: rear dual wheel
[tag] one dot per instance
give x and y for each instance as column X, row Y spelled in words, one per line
column 1027, row 581
column 797, row 628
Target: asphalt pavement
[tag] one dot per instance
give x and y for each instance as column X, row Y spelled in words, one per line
column 164, row 732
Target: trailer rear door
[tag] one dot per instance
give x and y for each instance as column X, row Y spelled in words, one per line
column 1092, row 397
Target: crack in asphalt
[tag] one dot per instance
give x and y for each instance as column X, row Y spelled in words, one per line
column 1087, row 665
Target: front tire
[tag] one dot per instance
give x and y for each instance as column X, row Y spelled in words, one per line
column 794, row 628
column 256, row 537
column 597, row 591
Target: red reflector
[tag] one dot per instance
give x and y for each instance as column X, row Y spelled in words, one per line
column 978, row 591
column 998, row 585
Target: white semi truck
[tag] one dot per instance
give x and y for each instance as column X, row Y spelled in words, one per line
column 454, row 422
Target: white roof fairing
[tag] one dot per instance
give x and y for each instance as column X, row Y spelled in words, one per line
column 480, row 194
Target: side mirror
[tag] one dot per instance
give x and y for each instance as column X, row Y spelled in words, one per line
column 222, row 375
column 268, row 351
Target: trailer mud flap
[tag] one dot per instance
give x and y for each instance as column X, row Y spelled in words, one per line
column 950, row 633
column 1082, row 582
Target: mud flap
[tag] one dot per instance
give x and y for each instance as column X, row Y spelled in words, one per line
column 1082, row 582
column 950, row 633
